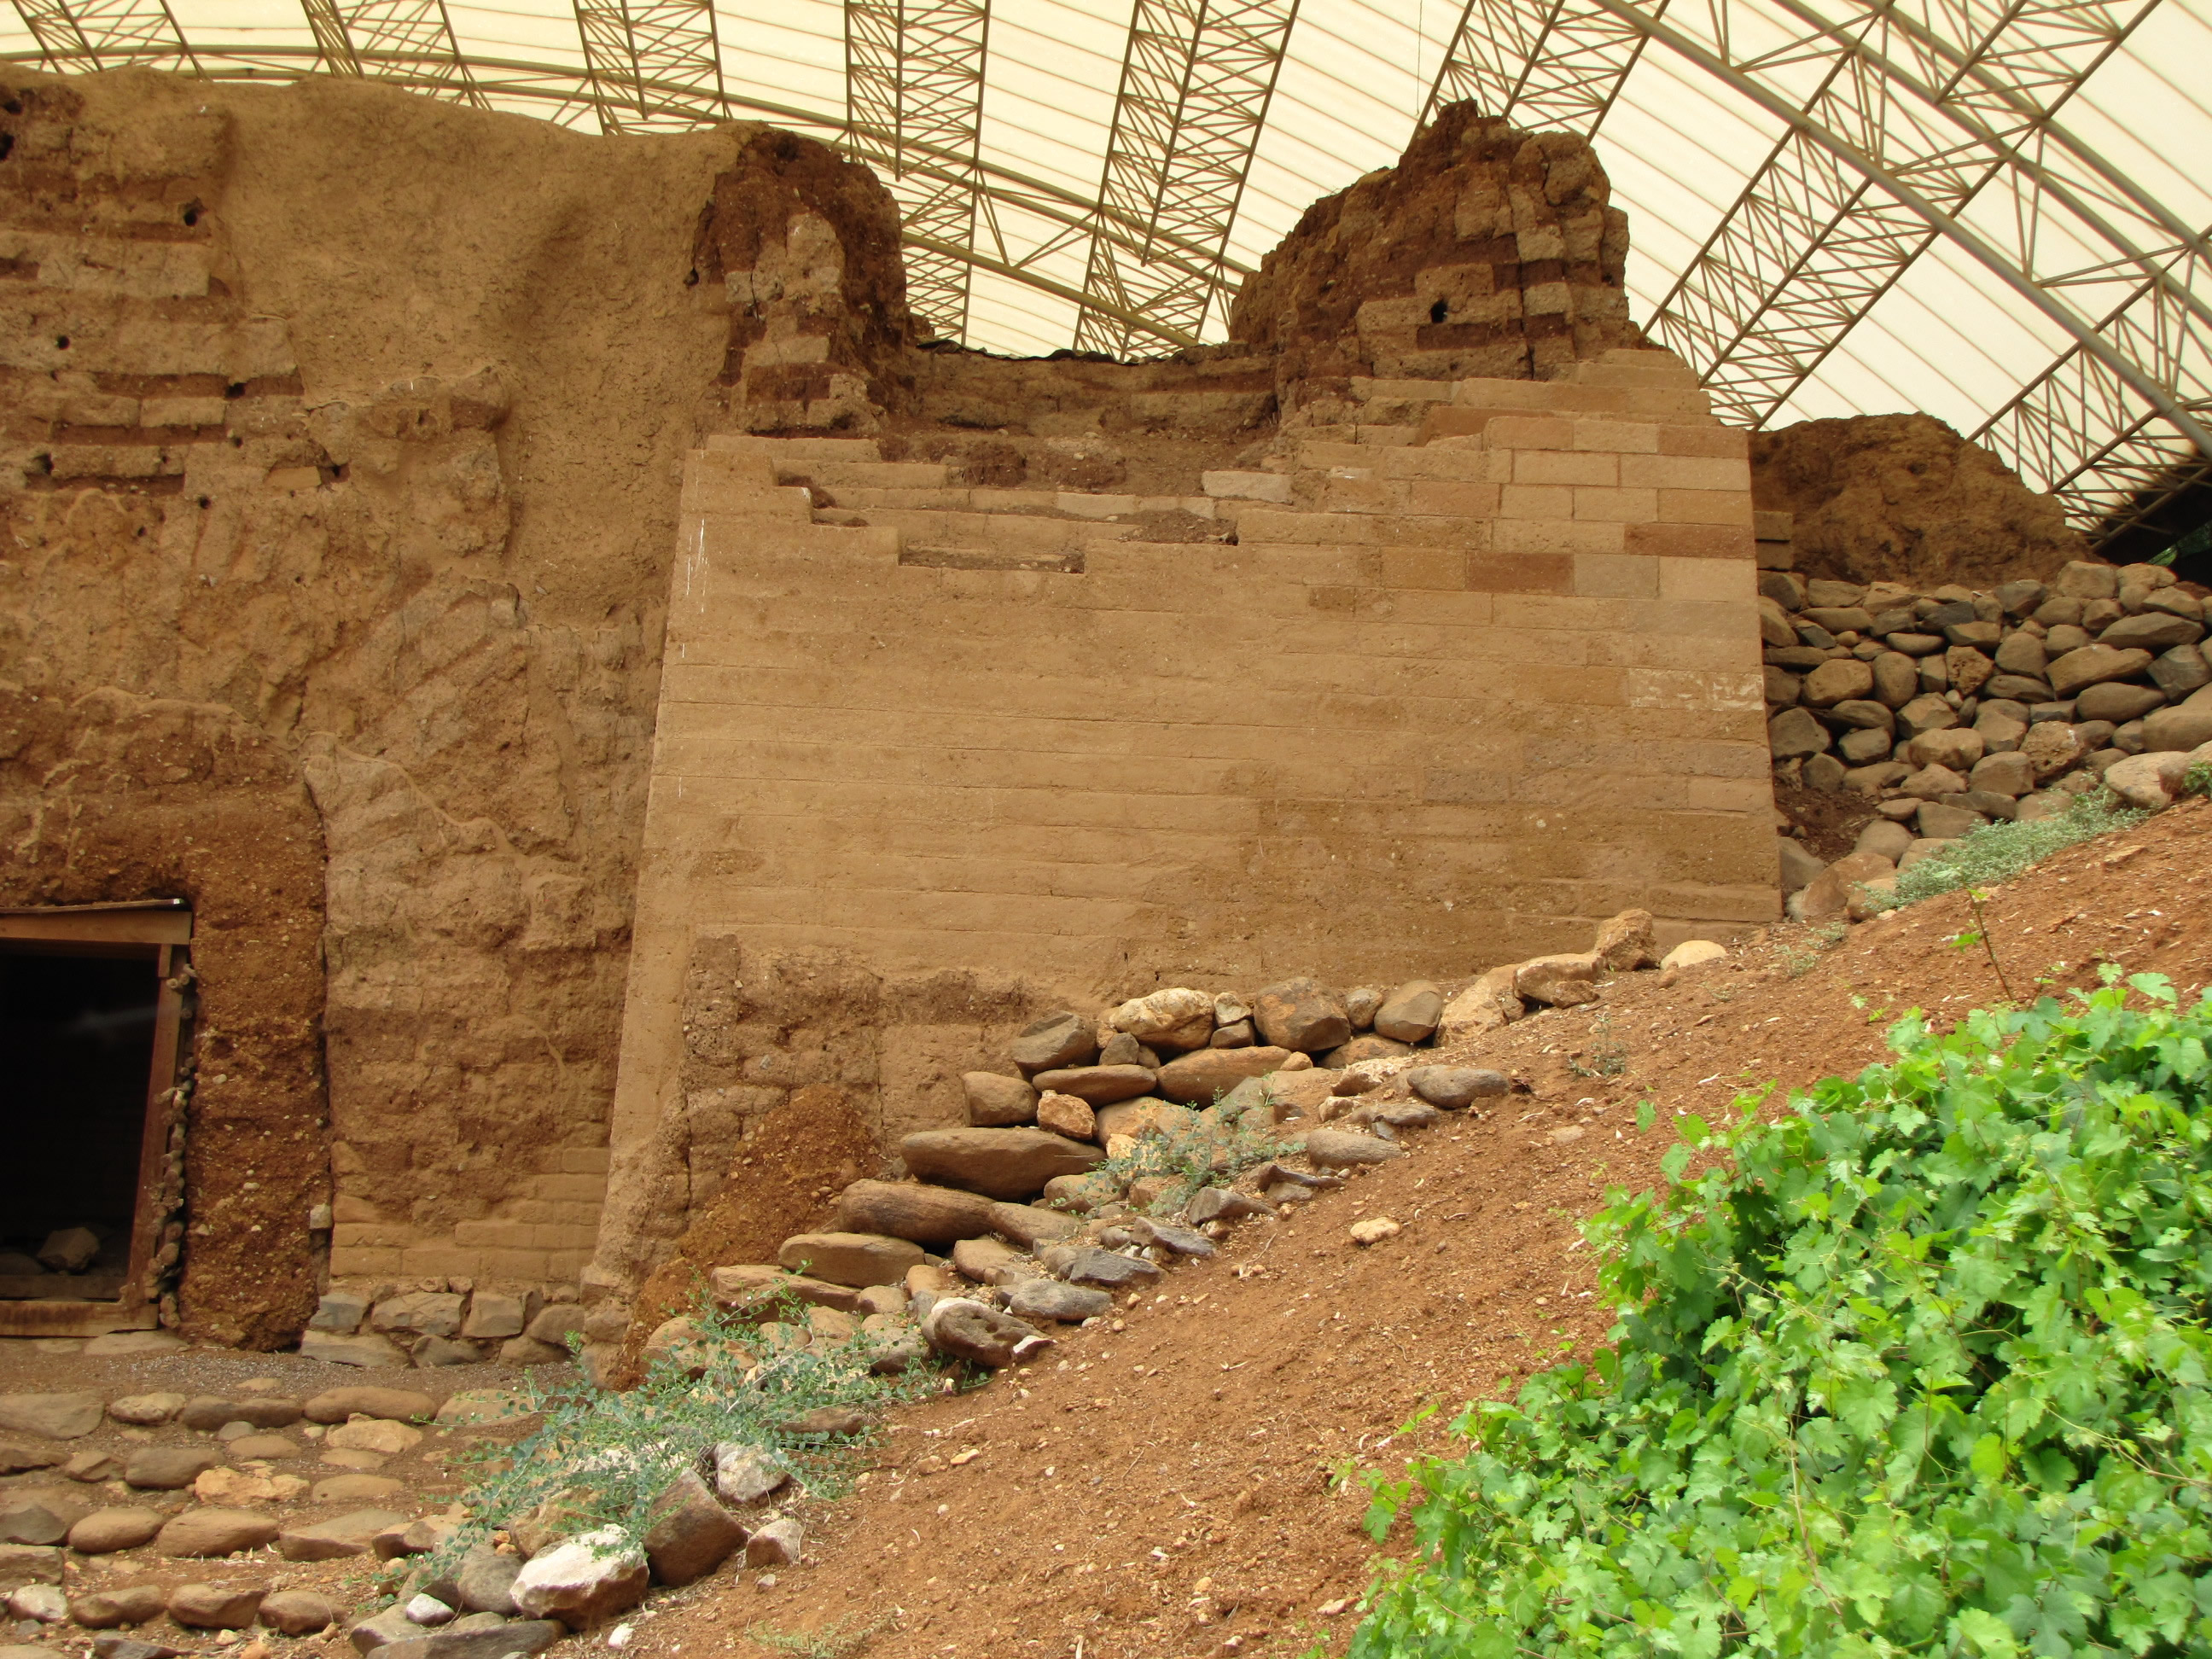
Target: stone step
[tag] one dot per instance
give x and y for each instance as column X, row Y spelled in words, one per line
column 1072, row 504
column 839, row 476
column 798, row 449
column 993, row 541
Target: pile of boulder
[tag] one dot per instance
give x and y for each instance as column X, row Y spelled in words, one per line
column 1117, row 1145
column 1955, row 709
column 442, row 1321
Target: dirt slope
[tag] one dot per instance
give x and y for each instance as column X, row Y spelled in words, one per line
column 1163, row 1490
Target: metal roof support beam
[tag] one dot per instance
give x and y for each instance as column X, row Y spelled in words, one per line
column 1833, row 147
column 654, row 65
column 2103, row 453
column 1810, row 245
column 349, row 32
column 1196, row 81
column 913, row 88
column 1550, row 63
column 107, row 34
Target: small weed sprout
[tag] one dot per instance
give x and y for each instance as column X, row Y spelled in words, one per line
column 1980, row 935
column 1607, row 1056
column 1827, row 937
column 837, row 1641
column 1996, row 853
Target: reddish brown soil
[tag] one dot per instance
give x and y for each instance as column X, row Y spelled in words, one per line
column 1165, row 1489
column 803, row 1151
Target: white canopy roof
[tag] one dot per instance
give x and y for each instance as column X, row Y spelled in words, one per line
column 1888, row 241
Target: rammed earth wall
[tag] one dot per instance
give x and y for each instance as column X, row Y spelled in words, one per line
column 1450, row 697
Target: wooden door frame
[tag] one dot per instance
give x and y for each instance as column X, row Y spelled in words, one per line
column 158, row 930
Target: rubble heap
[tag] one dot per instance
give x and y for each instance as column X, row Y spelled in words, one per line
column 1953, row 708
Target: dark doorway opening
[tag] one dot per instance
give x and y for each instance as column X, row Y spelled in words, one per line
column 78, row 1032
column 94, row 1010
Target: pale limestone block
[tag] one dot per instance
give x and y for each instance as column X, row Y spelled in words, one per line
column 1247, row 486
column 1616, row 505
column 1725, row 506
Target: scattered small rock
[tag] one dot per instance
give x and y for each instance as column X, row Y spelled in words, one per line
column 168, row 1468
column 105, row 1531
column 1084, row 1264
column 146, row 1410
column 368, row 1352
column 1068, row 1304
column 1454, row 1088
column 42, row 1604
column 1346, row 1149
column 297, row 1612
column 127, row 1647
column 400, row 1405
column 745, row 1474
column 1067, row 1115
column 1223, row 1204
column 56, row 1416
column 130, row 1604
column 689, row 1532
column 1374, row 1230
column 331, row 1540
column 203, row 1533
column 775, row 1545
column 967, row 1329
column 855, row 1259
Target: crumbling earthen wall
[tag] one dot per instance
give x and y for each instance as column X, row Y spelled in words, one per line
column 336, row 541
column 1487, row 252
column 340, row 474
column 1905, row 499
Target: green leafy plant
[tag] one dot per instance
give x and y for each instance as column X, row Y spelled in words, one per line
column 1997, row 853
column 1923, row 1368
column 600, row 1457
column 2197, row 780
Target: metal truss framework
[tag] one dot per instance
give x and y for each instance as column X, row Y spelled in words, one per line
column 653, row 65
column 1538, row 62
column 914, row 93
column 1904, row 125
column 1196, row 80
column 1896, row 117
column 107, row 34
column 347, row 33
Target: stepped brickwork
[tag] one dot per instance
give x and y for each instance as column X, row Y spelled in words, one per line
column 1436, row 693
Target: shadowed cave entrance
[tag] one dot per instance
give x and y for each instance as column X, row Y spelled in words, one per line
column 91, row 1005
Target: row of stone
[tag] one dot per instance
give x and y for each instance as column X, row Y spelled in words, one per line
column 434, row 1322
column 1966, row 707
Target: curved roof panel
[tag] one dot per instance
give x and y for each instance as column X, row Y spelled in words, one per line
column 1995, row 213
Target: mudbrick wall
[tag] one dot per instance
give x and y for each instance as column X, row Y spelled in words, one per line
column 1438, row 698
column 337, row 547
column 333, row 552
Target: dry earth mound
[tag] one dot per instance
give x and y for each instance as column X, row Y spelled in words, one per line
column 1162, row 1486
column 1903, row 498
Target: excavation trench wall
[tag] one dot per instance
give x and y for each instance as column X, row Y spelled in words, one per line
column 341, row 475
column 339, row 489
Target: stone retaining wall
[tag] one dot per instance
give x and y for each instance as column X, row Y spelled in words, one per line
column 1438, row 695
